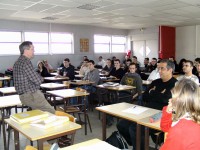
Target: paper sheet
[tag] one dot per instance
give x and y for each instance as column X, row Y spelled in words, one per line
column 135, row 110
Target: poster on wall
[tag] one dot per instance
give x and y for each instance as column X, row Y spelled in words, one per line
column 84, row 45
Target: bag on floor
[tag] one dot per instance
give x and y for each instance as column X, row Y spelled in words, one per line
column 116, row 140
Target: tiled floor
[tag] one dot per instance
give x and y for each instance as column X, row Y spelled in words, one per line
column 79, row 137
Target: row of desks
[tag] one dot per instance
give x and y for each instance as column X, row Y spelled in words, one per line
column 13, row 100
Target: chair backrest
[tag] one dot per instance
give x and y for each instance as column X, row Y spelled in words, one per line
column 61, row 113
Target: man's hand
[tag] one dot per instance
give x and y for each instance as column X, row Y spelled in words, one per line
column 169, row 106
column 57, row 76
column 152, row 89
column 163, row 91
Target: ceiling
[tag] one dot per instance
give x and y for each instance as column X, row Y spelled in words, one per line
column 121, row 14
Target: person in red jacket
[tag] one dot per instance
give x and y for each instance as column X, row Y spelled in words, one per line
column 181, row 118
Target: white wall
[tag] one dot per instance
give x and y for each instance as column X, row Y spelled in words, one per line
column 148, row 36
column 79, row 31
column 187, row 42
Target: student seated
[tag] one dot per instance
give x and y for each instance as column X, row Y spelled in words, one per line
column 132, row 79
column 101, row 62
column 92, row 75
column 181, row 118
column 84, row 58
column 42, row 70
column 117, row 71
column 198, row 68
column 127, row 64
column 84, row 68
column 67, row 70
column 154, row 74
column 107, row 69
column 187, row 69
column 48, row 66
column 152, row 66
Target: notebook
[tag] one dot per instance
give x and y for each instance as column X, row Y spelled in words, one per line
column 28, row 116
column 50, row 121
column 111, row 84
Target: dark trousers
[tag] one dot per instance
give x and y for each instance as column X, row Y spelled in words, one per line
column 128, row 130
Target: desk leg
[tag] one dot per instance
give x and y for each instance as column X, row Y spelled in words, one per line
column 117, row 96
column 146, row 138
column 138, row 136
column 104, row 126
column 85, row 115
column 4, row 130
column 16, row 139
column 40, row 144
column 54, row 102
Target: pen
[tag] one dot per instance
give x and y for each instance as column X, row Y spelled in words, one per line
column 134, row 106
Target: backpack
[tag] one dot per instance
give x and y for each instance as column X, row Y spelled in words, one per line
column 116, row 140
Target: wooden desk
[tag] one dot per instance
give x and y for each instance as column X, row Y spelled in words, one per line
column 80, row 82
column 108, row 79
column 68, row 93
column 40, row 135
column 7, row 101
column 117, row 111
column 55, row 79
column 115, row 89
column 91, row 145
column 8, row 91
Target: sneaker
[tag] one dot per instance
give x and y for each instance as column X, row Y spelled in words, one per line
column 54, row 146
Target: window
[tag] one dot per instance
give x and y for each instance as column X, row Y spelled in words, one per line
column 9, row 43
column 118, row 44
column 61, row 43
column 102, row 44
column 40, row 41
column 109, row 44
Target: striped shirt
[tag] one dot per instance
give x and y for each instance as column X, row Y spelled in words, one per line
column 24, row 76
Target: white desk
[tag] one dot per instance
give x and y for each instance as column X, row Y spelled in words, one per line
column 91, row 145
column 55, row 79
column 52, row 86
column 5, row 102
column 40, row 135
column 7, row 91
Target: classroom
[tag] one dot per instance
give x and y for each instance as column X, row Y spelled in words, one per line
column 117, row 37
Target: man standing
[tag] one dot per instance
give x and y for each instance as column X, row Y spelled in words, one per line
column 27, row 81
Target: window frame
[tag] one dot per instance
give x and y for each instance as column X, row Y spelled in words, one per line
column 68, row 43
column 111, row 44
column 16, row 50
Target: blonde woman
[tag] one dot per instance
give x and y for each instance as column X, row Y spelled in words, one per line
column 181, row 118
